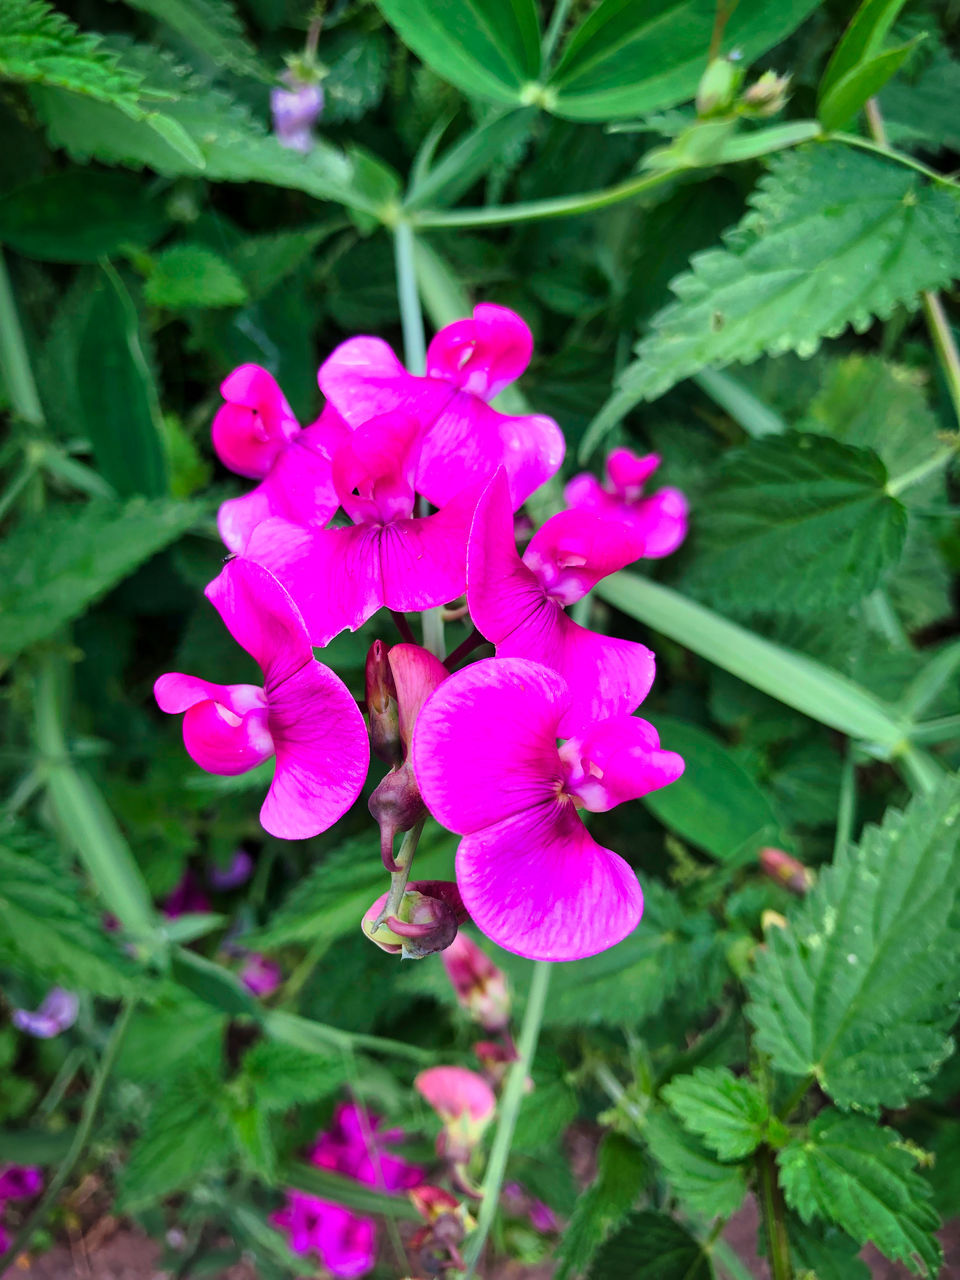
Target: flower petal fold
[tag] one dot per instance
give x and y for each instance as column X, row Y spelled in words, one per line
column 261, row 616
column 255, row 424
column 482, row 354
column 616, row 760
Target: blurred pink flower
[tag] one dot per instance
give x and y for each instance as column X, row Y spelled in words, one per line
column 660, row 520
column 295, row 109
column 19, row 1181
column 186, row 897
column 236, row 873
column 260, row 975
column 57, row 1013
column 480, row 987
column 464, row 1102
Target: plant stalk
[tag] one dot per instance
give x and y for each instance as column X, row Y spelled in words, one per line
column 14, row 363
column 411, row 316
column 399, row 878
column 774, row 1216
column 509, row 1110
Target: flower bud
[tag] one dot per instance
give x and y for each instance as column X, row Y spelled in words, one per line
column 426, row 921
column 786, row 870
column 297, row 106
column 436, row 1245
column 718, row 87
column 768, row 95
column 480, row 987
column 382, row 710
column 397, row 806
column 464, row 1102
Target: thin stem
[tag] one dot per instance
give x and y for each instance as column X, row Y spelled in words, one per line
column 473, row 641
column 796, row 1097
column 936, row 730
column 726, row 1260
column 403, row 626
column 411, row 317
column 558, row 21
column 617, row 1094
column 399, row 878
column 848, row 803
column 433, row 637
column 922, row 771
column 944, row 345
column 890, row 153
column 16, row 487
column 920, row 471
column 509, row 1110
column 774, row 1216
column 79, row 1142
column 14, row 362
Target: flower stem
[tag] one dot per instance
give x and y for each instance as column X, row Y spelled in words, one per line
column 509, row 1110
column 14, row 363
column 473, row 641
column 558, row 20
column 399, row 878
column 774, row 1216
column 923, row 469
column 411, row 317
column 79, row 1142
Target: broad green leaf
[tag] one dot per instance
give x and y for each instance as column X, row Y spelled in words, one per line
column 795, row 522
column 174, row 1033
column 627, row 58
column 918, row 110
column 845, row 98
column 80, row 216
column 860, row 42
column 858, row 990
column 469, row 159
column 703, row 1184
column 190, row 275
column 861, row 1176
column 347, row 1191
column 490, row 48
column 730, row 1114
column 281, row 1076
column 263, row 262
column 652, row 1246
column 214, row 30
column 826, row 1251
column 212, row 984
column 622, row 1173
column 835, row 237
column 358, row 64
column 547, row 1111
column 716, row 804
column 118, row 402
column 54, row 567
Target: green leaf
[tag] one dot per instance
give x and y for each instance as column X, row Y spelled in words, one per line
column 347, row 1191
column 357, row 64
column 700, row 1181
column 794, row 523
column 281, row 1076
column 490, row 48
column 80, row 216
column 825, row 1251
column 190, row 275
column 835, row 237
column 652, row 1246
column 212, row 984
column 622, row 1172
column 919, row 110
column 860, row 42
column 170, row 1035
column 263, row 262
column 861, row 1176
column 213, row 28
column 54, row 567
column 119, row 406
column 716, row 805
column 627, row 58
column 845, row 98
column 730, row 1114
column 469, row 159
column 858, row 990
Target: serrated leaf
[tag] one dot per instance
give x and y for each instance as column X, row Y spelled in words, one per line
column 282, row 1076
column 190, row 275
column 357, row 64
column 263, row 262
column 652, row 1246
column 919, row 110
column 213, row 28
column 834, row 238
column 622, row 1171
column 795, row 523
column 626, row 59
column 729, row 1113
column 80, row 216
column 859, row 989
column 697, row 1177
column 716, row 805
column 490, row 48
column 174, row 1032
column 826, row 1251
column 54, row 567
column 861, row 1176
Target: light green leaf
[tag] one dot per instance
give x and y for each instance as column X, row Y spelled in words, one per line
column 347, row 1191
column 699, row 1180
column 490, row 48
column 860, row 42
column 470, row 158
column 795, row 522
column 716, row 804
column 730, row 1114
column 835, row 237
column 861, row 1176
column 844, row 99
column 858, row 990
column 190, row 275
column 622, row 1172
column 652, row 1246
column 53, row 568
column 80, row 216
column 627, row 58
column 214, row 30
column 281, row 1076
column 919, row 110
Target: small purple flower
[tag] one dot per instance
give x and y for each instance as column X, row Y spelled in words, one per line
column 185, row 898
column 260, row 975
column 57, row 1012
column 295, row 110
column 232, row 876
column 19, row 1181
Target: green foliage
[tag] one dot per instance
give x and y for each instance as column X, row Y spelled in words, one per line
column 858, row 990
column 729, row 1114
column 861, row 1176
column 54, row 567
column 622, row 1172
column 652, row 1246
column 918, row 109
column 701, row 1182
column 281, row 1077
column 190, row 275
column 212, row 27
column 858, row 69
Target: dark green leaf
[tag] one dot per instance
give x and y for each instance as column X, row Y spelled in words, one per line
column 860, row 42
column 652, row 1246
column 190, row 275
column 845, row 98
column 728, row 1113
column 212, row 984
column 919, row 111
column 282, row 1076
column 827, row 1252
column 347, row 1191
column 697, row 1177
column 469, row 159
column 622, row 1171
column 214, row 30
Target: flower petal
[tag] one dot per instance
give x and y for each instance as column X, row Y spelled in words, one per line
column 485, row 743
column 221, row 741
column 262, row 617
column 661, row 520
column 363, row 378
column 483, row 354
column 455, row 1091
column 539, row 885
column 322, row 753
column 176, row 692
column 502, row 591
column 255, row 424
column 574, row 550
column 628, row 470
column 416, row 673
column 616, row 760
column 424, row 561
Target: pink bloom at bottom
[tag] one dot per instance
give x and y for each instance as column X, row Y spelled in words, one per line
column 531, row 876
column 464, row 1102
column 354, row 1146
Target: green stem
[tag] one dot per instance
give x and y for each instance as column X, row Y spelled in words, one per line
column 558, row 21
column 615, row 1091
column 774, row 1216
column 944, row 345
column 16, row 487
column 848, row 803
column 399, row 878
column 411, row 317
column 889, row 153
column 726, row 1260
column 509, row 1110
column 14, row 362
column 77, row 1146
column 920, row 472
column 556, row 207
column 922, row 771
column 936, row 730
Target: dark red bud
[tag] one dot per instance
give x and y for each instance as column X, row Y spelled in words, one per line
column 382, row 709
column 426, row 922
column 786, row 870
column 396, row 806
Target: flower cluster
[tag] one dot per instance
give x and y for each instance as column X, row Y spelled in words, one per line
column 17, row 1182
column 403, row 495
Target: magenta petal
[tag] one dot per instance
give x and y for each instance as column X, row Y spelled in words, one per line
column 628, row 470
column 616, row 760
column 176, row 692
column 502, row 591
column 346, row 1243
column 485, row 743
column 662, row 521
column 255, row 423
column 416, row 673
column 424, row 561
column 575, row 549
column 322, row 753
column 298, row 487
column 221, row 741
column 362, row 378
column 483, row 354
column 539, row 885
column 262, row 618
column 584, row 490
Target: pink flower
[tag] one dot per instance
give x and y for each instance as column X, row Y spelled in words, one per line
column 388, row 557
column 295, row 110
column 660, row 520
column 354, row 1146
column 256, row 434
column 19, row 1181
column 185, row 897
column 260, row 975
column 480, row 987
column 520, row 604
column 486, row 757
column 57, row 1013
column 469, row 362
column 304, row 713
column 463, row 1101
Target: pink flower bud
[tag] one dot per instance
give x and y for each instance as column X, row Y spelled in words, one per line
column 397, row 806
column 426, row 921
column 260, row 975
column 480, row 987
column 786, row 870
column 464, row 1102
column 382, row 711
column 295, row 109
